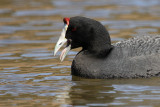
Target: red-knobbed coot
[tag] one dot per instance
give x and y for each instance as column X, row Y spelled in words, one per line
column 133, row 58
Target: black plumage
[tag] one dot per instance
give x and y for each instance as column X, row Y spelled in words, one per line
column 133, row 58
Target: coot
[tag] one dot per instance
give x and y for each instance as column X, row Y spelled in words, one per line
column 133, row 58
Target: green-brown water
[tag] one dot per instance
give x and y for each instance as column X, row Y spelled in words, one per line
column 31, row 76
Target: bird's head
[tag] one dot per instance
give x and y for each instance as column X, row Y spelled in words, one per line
column 82, row 32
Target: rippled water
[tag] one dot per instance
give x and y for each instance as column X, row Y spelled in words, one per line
column 31, row 76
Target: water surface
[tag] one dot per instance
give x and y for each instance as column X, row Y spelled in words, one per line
column 31, row 76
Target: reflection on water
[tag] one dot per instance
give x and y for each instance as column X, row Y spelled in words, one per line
column 115, row 92
column 29, row 72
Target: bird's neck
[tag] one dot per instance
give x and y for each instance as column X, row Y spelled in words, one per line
column 99, row 49
column 99, row 43
column 101, row 52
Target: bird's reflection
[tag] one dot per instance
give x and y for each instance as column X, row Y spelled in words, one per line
column 90, row 91
column 97, row 92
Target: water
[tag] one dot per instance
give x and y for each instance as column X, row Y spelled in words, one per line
column 31, row 76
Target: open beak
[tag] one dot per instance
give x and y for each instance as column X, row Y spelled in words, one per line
column 62, row 40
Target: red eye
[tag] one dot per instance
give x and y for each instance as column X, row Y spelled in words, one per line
column 74, row 29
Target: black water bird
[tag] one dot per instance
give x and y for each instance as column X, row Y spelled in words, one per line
column 133, row 58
